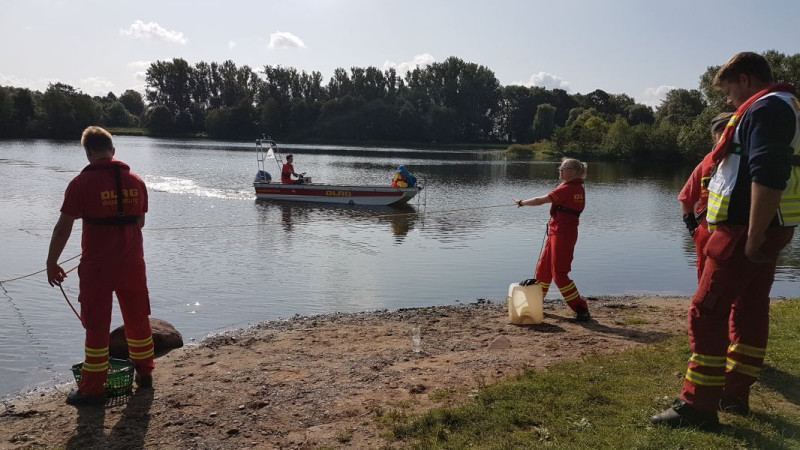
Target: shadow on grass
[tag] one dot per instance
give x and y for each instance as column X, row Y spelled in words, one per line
column 752, row 430
column 786, row 384
column 129, row 431
column 643, row 337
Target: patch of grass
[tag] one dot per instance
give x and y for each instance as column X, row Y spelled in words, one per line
column 344, row 436
column 440, row 395
column 537, row 150
column 606, row 402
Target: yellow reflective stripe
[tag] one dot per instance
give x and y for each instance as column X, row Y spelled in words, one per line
column 141, row 355
column 544, row 285
column 95, row 352
column 747, row 350
column 573, row 296
column 704, row 380
column 99, row 367
column 567, row 287
column 708, row 361
column 140, row 342
column 747, row 369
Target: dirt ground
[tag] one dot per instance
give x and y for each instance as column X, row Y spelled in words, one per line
column 322, row 381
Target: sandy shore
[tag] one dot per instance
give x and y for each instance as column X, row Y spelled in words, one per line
column 322, row 381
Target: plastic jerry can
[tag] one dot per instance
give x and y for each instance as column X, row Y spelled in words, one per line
column 525, row 304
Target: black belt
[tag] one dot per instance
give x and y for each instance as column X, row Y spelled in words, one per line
column 568, row 211
column 124, row 220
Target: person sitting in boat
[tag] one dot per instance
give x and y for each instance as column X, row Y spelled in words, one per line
column 402, row 178
column 288, row 172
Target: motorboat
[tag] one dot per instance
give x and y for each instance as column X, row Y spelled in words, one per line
column 304, row 190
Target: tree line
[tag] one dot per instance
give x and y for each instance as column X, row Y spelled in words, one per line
column 453, row 101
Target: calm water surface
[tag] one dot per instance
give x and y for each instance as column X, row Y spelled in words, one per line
column 218, row 259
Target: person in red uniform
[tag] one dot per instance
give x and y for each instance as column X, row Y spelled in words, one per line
column 112, row 202
column 567, row 203
column 729, row 315
column 694, row 197
column 287, row 172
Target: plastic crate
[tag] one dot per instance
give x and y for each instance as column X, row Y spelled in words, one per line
column 120, row 377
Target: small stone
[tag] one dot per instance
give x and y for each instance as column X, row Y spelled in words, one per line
column 499, row 343
column 213, row 414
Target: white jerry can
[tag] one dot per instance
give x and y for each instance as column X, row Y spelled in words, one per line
column 525, row 304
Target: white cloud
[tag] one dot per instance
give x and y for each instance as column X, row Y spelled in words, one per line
column 545, row 80
column 654, row 96
column 95, row 86
column 39, row 84
column 284, row 39
column 152, row 30
column 231, row 44
column 139, row 65
column 420, row 61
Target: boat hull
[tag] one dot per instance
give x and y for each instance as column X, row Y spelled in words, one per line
column 330, row 193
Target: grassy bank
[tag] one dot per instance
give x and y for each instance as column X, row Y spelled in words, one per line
column 606, row 402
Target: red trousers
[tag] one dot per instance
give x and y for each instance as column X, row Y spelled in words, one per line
column 97, row 283
column 555, row 264
column 700, row 238
column 729, row 317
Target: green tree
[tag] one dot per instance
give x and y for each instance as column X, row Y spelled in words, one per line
column 638, row 113
column 117, row 115
column 59, row 112
column 133, row 102
column 619, row 141
column 170, row 83
column 680, row 107
column 160, row 120
column 545, row 122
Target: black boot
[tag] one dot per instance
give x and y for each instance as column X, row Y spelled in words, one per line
column 78, row 398
column 684, row 415
column 733, row 406
column 582, row 315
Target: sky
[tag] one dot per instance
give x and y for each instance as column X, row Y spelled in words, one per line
column 641, row 48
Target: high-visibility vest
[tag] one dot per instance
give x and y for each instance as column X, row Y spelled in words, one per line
column 724, row 179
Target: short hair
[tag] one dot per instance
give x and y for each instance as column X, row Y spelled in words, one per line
column 96, row 139
column 720, row 121
column 747, row 63
column 289, row 156
column 578, row 166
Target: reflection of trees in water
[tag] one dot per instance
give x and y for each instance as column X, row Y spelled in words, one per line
column 789, row 260
column 401, row 219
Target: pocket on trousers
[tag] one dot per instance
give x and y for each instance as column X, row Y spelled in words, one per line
column 723, row 241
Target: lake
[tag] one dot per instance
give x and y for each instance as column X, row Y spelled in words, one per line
column 218, row 259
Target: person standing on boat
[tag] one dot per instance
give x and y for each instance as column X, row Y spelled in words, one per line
column 567, row 203
column 112, row 201
column 694, row 196
column 753, row 207
column 287, row 172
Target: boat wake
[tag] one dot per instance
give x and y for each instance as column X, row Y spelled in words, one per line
column 185, row 186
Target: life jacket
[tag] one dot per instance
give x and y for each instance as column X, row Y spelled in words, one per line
column 723, row 181
column 120, row 218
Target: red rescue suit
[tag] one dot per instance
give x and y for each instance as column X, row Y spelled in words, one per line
column 110, row 199
column 555, row 263
column 695, row 195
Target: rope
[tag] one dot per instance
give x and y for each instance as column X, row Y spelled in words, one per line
column 69, row 303
column 40, row 271
column 247, row 225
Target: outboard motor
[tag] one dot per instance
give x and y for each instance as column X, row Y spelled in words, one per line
column 263, row 176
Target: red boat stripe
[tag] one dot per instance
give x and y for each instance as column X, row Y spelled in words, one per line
column 326, row 193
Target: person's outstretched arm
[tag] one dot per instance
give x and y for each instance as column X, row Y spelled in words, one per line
column 61, row 233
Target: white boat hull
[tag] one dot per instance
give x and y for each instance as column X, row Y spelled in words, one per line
column 330, row 193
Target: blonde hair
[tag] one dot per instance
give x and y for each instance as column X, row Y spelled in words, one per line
column 578, row 166
column 96, row 139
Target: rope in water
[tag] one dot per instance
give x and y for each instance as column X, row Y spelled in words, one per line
column 247, row 225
